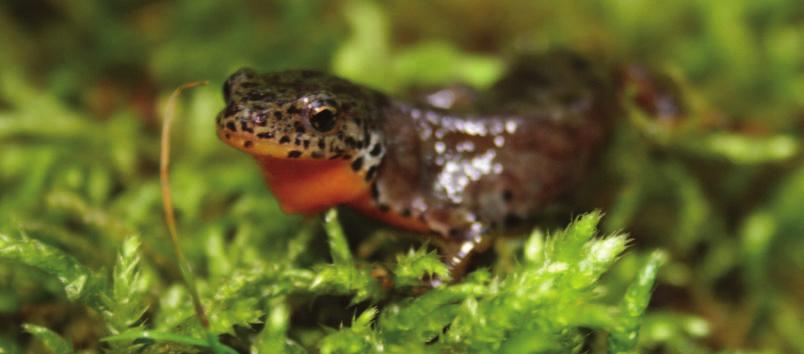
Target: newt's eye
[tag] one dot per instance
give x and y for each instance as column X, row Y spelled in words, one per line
column 323, row 118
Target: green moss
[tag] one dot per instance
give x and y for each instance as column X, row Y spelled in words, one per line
column 712, row 204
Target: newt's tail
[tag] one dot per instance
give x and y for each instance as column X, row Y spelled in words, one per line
column 558, row 72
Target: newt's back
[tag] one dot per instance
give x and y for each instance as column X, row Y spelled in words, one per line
column 526, row 143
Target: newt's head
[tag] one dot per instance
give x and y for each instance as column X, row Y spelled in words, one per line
column 298, row 115
column 316, row 136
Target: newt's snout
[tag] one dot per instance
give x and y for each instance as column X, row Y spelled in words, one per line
column 234, row 81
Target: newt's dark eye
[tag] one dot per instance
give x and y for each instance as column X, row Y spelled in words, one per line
column 323, row 119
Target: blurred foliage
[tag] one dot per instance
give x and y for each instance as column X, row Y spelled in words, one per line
column 85, row 261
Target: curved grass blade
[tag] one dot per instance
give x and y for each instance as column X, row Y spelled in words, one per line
column 170, row 218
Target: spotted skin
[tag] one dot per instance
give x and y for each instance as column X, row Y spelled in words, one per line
column 277, row 111
column 491, row 162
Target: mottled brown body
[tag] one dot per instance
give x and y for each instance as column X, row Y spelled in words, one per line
column 494, row 159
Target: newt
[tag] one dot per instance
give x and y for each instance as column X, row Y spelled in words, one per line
column 459, row 164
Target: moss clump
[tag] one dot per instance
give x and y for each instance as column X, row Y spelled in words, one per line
column 85, row 261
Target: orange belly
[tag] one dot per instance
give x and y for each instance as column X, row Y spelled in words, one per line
column 311, row 186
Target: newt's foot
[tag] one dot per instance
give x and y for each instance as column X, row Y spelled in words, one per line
column 458, row 253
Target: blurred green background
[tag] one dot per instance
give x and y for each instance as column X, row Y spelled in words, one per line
column 83, row 85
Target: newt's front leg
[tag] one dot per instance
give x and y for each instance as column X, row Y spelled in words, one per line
column 458, row 235
column 457, row 252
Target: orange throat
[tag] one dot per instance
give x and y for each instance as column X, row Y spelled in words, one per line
column 310, row 186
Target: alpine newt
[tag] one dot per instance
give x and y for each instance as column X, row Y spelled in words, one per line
column 457, row 164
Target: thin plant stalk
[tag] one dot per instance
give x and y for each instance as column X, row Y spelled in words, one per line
column 167, row 202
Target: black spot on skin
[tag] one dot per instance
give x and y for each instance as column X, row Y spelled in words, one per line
column 507, row 195
column 351, row 142
column 383, row 208
column 357, row 163
column 277, row 114
column 266, row 135
column 231, row 126
column 376, row 150
column 322, row 144
column 454, row 232
column 375, row 191
column 293, row 110
column 231, row 109
column 297, row 142
column 306, row 144
column 317, row 154
column 227, row 136
column 248, row 144
column 299, row 128
column 284, row 139
column 244, row 126
column 405, row 213
column 371, row 172
column 294, row 154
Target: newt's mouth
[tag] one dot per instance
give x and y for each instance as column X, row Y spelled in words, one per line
column 250, row 132
column 263, row 146
column 258, row 141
